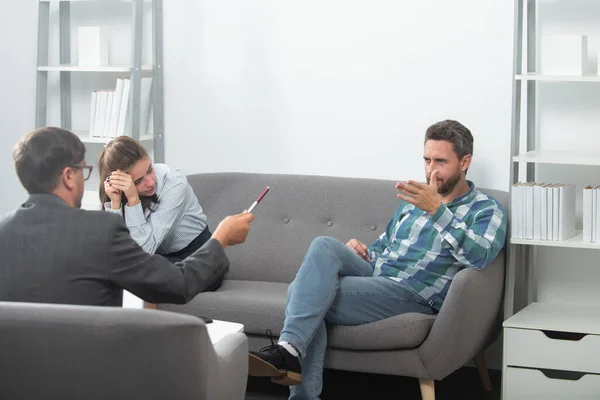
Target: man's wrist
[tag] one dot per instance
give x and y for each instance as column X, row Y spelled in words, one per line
column 219, row 238
column 435, row 210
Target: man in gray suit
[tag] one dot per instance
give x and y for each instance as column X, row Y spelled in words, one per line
column 54, row 252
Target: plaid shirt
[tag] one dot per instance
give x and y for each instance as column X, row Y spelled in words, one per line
column 423, row 252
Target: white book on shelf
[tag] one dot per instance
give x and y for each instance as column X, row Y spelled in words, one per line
column 587, row 214
column 101, row 113
column 572, row 198
column 537, row 212
column 555, row 211
column 124, row 107
column 549, row 209
column 96, row 117
column 93, row 113
column 109, row 102
column 116, row 108
column 543, row 212
column 529, row 210
column 566, row 219
column 594, row 213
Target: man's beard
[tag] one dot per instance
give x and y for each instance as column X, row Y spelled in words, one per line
column 448, row 185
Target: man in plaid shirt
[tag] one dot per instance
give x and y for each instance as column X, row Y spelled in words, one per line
column 440, row 227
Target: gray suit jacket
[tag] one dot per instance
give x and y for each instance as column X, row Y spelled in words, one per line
column 53, row 253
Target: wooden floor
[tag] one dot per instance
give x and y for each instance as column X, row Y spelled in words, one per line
column 463, row 384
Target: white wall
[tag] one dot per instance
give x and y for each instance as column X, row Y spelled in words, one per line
column 18, row 38
column 343, row 88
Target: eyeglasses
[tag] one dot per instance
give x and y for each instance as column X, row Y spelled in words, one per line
column 85, row 169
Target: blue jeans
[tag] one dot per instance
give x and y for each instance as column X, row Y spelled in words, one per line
column 336, row 286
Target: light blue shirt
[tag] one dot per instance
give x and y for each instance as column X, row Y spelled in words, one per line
column 174, row 222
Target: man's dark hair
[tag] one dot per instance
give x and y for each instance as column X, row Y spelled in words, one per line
column 41, row 155
column 453, row 132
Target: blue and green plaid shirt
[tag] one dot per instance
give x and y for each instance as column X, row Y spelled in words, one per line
column 423, row 252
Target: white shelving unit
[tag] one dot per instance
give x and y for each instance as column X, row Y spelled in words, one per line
column 557, row 78
column 551, row 350
column 559, row 157
column 85, row 138
column 64, row 68
column 576, row 242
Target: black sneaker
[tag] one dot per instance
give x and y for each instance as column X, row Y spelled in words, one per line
column 275, row 361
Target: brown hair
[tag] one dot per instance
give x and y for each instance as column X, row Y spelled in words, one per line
column 453, row 132
column 42, row 155
column 122, row 153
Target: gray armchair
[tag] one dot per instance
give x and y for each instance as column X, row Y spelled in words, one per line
column 430, row 347
column 82, row 352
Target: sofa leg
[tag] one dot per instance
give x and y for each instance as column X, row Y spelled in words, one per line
column 427, row 389
column 482, row 368
column 150, row 306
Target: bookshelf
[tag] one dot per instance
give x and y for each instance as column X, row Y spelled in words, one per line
column 548, row 344
column 84, row 68
column 62, row 82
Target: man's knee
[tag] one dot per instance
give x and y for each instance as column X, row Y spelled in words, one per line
column 322, row 243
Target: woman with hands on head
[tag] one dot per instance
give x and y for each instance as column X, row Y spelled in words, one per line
column 158, row 205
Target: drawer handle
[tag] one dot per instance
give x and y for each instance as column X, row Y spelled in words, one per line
column 572, row 336
column 562, row 375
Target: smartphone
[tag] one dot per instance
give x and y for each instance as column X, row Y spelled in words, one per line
column 258, row 199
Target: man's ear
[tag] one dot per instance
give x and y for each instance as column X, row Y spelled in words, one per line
column 466, row 162
column 67, row 178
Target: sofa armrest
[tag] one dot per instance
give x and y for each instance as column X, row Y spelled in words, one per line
column 228, row 372
column 466, row 321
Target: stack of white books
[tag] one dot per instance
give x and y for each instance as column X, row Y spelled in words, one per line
column 591, row 214
column 109, row 113
column 543, row 211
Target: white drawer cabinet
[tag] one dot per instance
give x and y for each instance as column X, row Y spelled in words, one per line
column 552, row 351
column 532, row 384
column 533, row 348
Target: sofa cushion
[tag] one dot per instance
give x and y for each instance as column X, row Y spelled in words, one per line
column 399, row 332
column 257, row 305
column 261, row 306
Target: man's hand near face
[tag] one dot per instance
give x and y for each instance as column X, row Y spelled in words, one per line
column 422, row 195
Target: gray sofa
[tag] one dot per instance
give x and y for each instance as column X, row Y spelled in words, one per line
column 295, row 211
column 50, row 351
